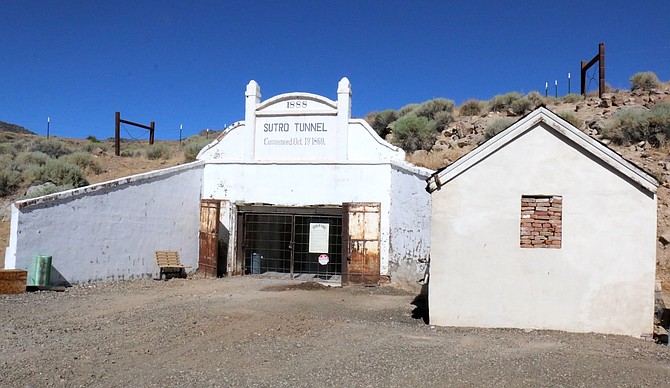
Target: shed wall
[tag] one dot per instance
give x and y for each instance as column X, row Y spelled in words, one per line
column 600, row 280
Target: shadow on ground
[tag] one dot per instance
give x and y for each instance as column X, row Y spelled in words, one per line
column 421, row 305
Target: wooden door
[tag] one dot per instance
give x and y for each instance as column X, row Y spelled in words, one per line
column 209, row 237
column 361, row 242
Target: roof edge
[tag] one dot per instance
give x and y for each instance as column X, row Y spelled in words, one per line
column 539, row 115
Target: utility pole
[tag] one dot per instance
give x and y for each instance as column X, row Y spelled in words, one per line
column 48, row 125
column 181, row 127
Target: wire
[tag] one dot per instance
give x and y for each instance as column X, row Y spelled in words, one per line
column 138, row 141
column 591, row 78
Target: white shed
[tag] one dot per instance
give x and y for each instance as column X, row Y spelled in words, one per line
column 297, row 188
column 543, row 227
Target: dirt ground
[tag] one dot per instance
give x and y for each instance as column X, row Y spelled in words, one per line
column 248, row 331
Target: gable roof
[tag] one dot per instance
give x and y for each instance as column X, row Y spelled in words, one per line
column 530, row 121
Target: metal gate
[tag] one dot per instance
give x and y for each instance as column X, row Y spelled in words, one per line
column 294, row 241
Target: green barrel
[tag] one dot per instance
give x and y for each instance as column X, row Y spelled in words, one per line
column 39, row 273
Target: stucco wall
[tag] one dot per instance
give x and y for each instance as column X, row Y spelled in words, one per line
column 364, row 144
column 600, row 280
column 110, row 231
column 410, row 226
column 304, row 184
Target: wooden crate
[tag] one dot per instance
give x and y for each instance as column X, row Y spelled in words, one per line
column 13, row 281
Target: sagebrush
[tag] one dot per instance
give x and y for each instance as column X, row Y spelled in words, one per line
column 497, row 126
column 645, row 80
column 412, row 133
column 193, row 147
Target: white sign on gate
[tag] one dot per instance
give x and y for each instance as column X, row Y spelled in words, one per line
column 318, row 237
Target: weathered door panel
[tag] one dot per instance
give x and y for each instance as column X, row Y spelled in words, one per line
column 362, row 237
column 240, row 246
column 209, row 237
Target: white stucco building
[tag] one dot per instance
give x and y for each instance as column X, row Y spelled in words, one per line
column 543, row 227
column 298, row 187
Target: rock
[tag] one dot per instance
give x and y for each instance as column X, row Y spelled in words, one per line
column 664, row 238
column 641, row 144
column 462, row 142
column 442, row 141
column 606, row 141
column 598, row 125
column 660, row 330
column 441, row 147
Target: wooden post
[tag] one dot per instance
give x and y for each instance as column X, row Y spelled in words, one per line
column 601, row 69
column 582, row 82
column 600, row 58
column 117, row 134
column 152, row 127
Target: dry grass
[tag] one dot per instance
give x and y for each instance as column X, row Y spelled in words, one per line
column 436, row 159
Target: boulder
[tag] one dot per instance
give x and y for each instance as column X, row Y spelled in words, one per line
column 462, row 142
column 664, row 238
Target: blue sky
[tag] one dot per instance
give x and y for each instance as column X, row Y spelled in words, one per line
column 188, row 62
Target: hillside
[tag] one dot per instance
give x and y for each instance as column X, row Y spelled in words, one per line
column 460, row 130
column 13, row 128
column 594, row 116
column 101, row 165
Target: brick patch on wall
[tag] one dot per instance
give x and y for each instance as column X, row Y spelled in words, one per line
column 541, row 225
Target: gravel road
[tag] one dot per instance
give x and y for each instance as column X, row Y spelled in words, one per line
column 250, row 331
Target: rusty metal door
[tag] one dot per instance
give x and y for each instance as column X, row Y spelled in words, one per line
column 209, row 237
column 362, row 237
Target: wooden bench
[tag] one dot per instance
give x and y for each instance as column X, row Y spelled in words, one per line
column 168, row 262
